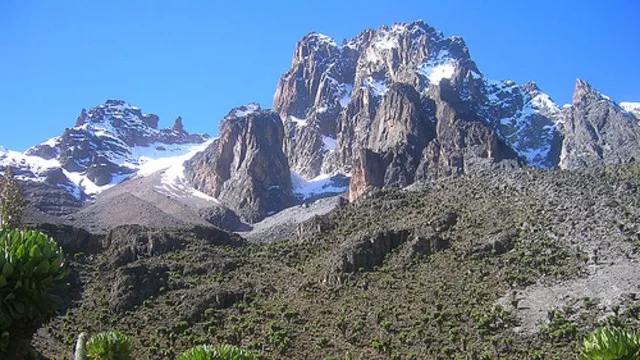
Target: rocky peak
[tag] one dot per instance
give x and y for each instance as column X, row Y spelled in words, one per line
column 242, row 111
column 325, row 79
column 177, row 125
column 150, row 120
column 597, row 129
column 531, row 88
column 82, row 118
column 315, row 45
column 245, row 168
column 583, row 92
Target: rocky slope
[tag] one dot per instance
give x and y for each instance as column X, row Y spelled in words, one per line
column 245, row 168
column 512, row 264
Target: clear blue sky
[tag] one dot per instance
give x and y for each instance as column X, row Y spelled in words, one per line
column 198, row 59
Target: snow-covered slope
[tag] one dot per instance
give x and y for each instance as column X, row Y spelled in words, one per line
column 632, row 107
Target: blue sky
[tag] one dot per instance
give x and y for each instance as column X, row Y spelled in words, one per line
column 198, row 59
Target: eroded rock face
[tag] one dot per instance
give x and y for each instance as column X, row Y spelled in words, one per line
column 245, row 168
column 415, row 139
column 597, row 130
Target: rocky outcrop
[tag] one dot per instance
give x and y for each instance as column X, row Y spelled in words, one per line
column 367, row 250
column 310, row 97
column 72, row 240
column 597, row 130
column 245, row 168
column 362, row 252
column 222, row 217
column 135, row 284
column 128, row 243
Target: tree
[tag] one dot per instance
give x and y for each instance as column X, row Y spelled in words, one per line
column 31, row 268
column 12, row 202
column 611, row 344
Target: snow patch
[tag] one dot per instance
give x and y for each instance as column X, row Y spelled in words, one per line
column 377, row 87
column 245, row 110
column 444, row 71
column 347, row 89
column 439, row 66
column 322, row 184
column 329, row 143
column 632, row 107
column 298, row 122
column 22, row 163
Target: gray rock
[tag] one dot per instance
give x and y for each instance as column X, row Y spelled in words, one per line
column 245, row 168
column 597, row 130
column 222, row 217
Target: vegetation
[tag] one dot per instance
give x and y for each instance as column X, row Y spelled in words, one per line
column 12, row 202
column 32, row 267
column 611, row 344
column 111, row 345
column 224, row 352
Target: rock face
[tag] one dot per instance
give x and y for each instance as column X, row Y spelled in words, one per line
column 415, row 140
column 597, row 130
column 411, row 104
column 245, row 168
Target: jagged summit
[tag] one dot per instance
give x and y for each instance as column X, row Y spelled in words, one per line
column 331, row 94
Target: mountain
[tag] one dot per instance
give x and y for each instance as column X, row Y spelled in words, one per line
column 404, row 103
column 108, row 144
column 338, row 101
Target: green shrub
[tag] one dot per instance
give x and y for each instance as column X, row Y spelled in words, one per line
column 224, row 352
column 347, row 356
column 611, row 344
column 31, row 267
column 111, row 345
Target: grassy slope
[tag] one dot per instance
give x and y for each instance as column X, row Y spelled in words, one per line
column 271, row 297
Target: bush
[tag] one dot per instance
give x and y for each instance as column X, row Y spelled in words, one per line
column 111, row 345
column 611, row 344
column 224, row 352
column 31, row 267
